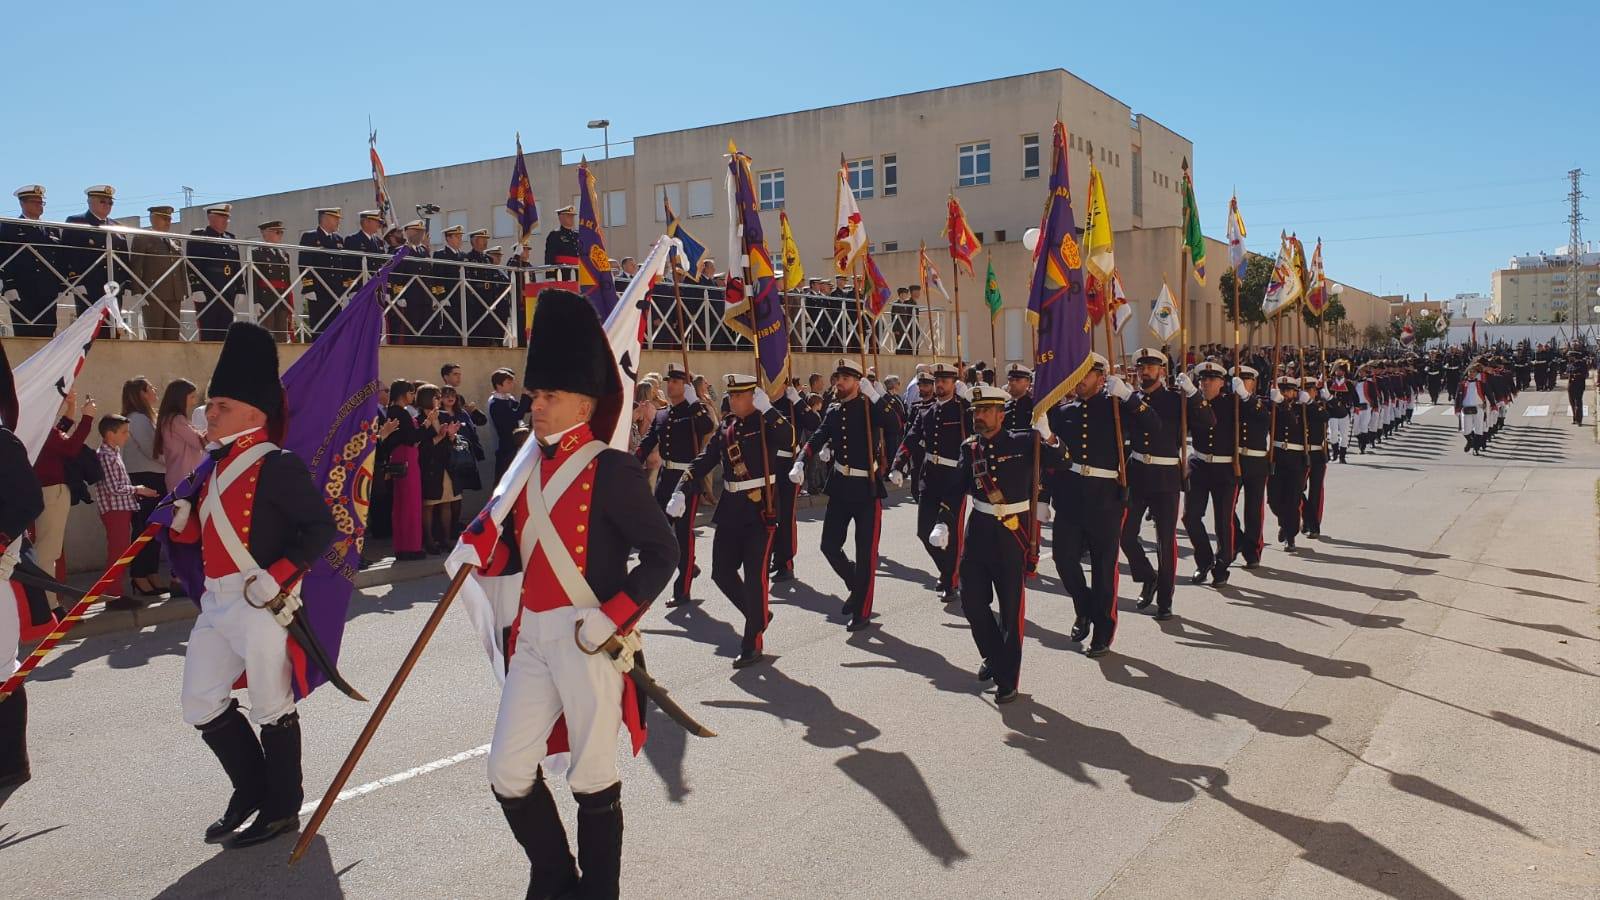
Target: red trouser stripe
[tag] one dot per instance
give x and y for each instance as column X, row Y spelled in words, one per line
column 688, row 565
column 794, row 527
column 872, row 560
column 1116, row 577
column 961, row 534
column 766, row 596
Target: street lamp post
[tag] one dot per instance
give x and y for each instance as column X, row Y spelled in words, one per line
column 605, row 133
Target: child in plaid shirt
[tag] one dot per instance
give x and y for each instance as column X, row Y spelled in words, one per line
column 116, row 497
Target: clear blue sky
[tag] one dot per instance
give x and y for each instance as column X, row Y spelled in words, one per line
column 1426, row 148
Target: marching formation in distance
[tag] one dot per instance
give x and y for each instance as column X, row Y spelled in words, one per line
column 1102, row 455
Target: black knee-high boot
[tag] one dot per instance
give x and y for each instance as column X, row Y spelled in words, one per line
column 600, row 842
column 14, row 770
column 230, row 738
column 537, row 827
column 280, row 809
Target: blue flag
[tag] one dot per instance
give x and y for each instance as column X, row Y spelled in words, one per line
column 760, row 301
column 692, row 249
column 1057, row 304
column 332, row 397
column 595, row 282
column 520, row 202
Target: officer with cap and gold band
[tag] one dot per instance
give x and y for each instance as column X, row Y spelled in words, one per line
column 86, row 264
column 1212, row 481
column 997, row 470
column 321, row 281
column 561, row 245
column 1323, row 409
column 746, row 515
column 1255, row 421
column 27, row 252
column 214, row 272
column 677, row 432
column 938, row 434
column 1019, row 408
column 1291, row 456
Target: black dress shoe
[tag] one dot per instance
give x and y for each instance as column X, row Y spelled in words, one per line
column 1080, row 630
column 1314, row 535
column 1289, row 546
column 782, row 575
column 261, row 831
column 1005, row 695
column 676, row 602
column 857, row 623
column 950, row 597
column 1097, row 651
column 1219, row 578
column 1147, row 594
column 1163, row 615
column 1252, row 564
column 1198, row 577
column 231, row 819
column 983, row 672
column 747, row 660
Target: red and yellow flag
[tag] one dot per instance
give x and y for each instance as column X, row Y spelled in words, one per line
column 964, row 245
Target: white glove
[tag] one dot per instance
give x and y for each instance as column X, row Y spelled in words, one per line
column 1119, row 389
column 677, row 505
column 691, row 396
column 797, row 472
column 825, row 454
column 1185, row 384
column 1325, row 395
column 595, row 629
column 1044, row 514
column 792, row 395
column 1042, row 425
column 260, row 589
column 180, row 515
column 1238, row 387
column 962, row 390
column 1277, row 396
column 940, row 536
column 1305, row 397
column 896, row 479
column 762, row 401
column 870, row 390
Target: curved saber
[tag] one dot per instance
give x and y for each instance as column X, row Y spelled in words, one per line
column 301, row 633
column 657, row 693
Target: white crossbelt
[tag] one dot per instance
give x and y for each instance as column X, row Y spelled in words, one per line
column 539, row 526
column 1093, row 472
column 677, row 466
column 1248, row 452
column 211, row 509
column 848, row 472
column 1281, row 445
column 1002, row 510
column 1149, row 460
column 1213, row 458
column 747, row 484
column 942, row 460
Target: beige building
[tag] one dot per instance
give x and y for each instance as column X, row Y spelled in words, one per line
column 1538, row 288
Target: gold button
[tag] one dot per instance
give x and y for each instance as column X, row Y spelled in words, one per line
column 247, row 512
column 578, row 549
column 583, row 507
column 582, row 529
column 586, row 485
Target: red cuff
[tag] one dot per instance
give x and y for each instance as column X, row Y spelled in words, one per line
column 281, row 571
column 620, row 608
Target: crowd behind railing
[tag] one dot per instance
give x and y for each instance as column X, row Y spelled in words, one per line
column 190, row 286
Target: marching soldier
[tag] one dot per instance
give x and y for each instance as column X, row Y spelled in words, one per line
column 849, row 438
column 1089, row 498
column 1323, row 409
column 86, row 264
column 1019, row 408
column 1255, row 435
column 27, row 254
column 741, row 545
column 912, row 462
column 938, row 434
column 584, row 510
column 272, row 280
column 1364, row 411
column 259, row 521
column 213, row 272
column 156, row 261
column 323, row 275
column 899, row 418
column 1341, row 426
column 561, row 245
column 678, row 432
column 21, row 501
column 1452, row 369
column 1212, row 480
column 997, row 471
column 802, row 418
column 1577, row 381
column 1291, row 458
column 1472, row 402
column 1156, row 475
column 1433, row 376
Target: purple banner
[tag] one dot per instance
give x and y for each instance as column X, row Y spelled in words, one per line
column 1057, row 303
column 771, row 331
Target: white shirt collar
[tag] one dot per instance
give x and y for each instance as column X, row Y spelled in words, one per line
column 217, row 445
column 553, row 439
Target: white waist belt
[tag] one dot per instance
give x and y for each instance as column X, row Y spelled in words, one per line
column 786, row 454
column 1213, row 458
column 1002, row 510
column 1093, row 472
column 1284, row 446
column 1149, row 460
column 677, row 466
column 848, row 472
column 942, row 460
column 746, row 485
column 1248, row 452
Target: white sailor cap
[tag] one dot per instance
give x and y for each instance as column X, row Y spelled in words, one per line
column 372, row 214
column 417, row 224
column 334, row 211
column 454, row 229
column 737, row 381
column 1149, row 356
column 1098, row 363
column 985, row 395
column 101, row 190
column 944, row 370
column 481, row 232
column 568, row 210
column 676, row 371
column 1244, row 371
column 847, row 367
column 30, row 192
column 220, row 209
column 1019, row 371
column 1209, row 369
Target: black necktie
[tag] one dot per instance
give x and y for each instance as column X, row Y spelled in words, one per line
column 549, row 450
column 221, row 453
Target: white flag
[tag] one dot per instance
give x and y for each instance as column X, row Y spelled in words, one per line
column 622, row 329
column 44, row 378
column 850, row 232
column 1286, row 286
column 1164, row 315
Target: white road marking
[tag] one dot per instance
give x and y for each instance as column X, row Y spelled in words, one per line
column 1537, row 411
column 1421, row 410
column 398, row 777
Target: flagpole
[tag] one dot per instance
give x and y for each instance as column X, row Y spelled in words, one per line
column 927, row 298
column 1237, row 400
column 955, row 279
column 1277, row 346
column 755, row 348
column 994, row 345
column 1183, row 359
column 866, row 405
column 1116, row 407
column 683, row 347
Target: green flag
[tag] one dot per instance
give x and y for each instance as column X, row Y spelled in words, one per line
column 991, row 292
column 1194, row 242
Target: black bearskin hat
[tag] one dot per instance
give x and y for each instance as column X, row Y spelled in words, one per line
column 568, row 351
column 8, row 392
column 247, row 369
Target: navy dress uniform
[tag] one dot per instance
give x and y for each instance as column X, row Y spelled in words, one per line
column 912, row 462
column 561, row 245
column 214, row 273
column 937, row 434
column 678, row 432
column 1019, row 406
column 1577, row 382
column 1325, row 408
column 1155, row 479
column 803, row 419
column 1291, row 456
column 558, row 551
column 362, row 242
column 324, row 274
column 1255, row 421
column 272, row 273
column 409, row 322
column 996, row 470
column 85, row 249
column 257, row 520
column 28, row 253
column 446, row 287
column 1090, row 501
column 1212, row 483
column 746, row 515
column 849, row 439
column 488, row 303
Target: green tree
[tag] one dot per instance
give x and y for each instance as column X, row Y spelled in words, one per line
column 1332, row 314
column 1375, row 335
column 1257, row 275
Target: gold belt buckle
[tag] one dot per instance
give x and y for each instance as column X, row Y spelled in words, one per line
column 1011, row 523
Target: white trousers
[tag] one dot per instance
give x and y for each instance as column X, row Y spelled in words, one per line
column 550, row 677
column 1363, row 420
column 1473, row 423
column 1339, row 431
column 230, row 637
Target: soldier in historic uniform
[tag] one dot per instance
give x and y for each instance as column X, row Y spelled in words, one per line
column 21, row 501
column 561, row 245
column 678, row 432
column 27, row 255
column 1019, row 408
column 937, row 433
column 1342, row 426
column 323, row 274
column 1156, row 475
column 1255, row 435
column 802, row 418
column 259, row 521
column 1213, row 481
column 86, row 261
column 1472, row 404
column 158, row 273
column 214, row 272
column 273, row 286
column 1090, row 501
column 746, row 445
column 997, row 471
column 849, row 438
column 565, row 545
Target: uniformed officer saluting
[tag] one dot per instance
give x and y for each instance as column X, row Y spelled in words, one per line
column 746, row 515
column 258, row 520
column 996, row 470
column 677, row 432
column 937, row 433
column 849, row 437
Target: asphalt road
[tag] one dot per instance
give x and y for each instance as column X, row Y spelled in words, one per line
column 1404, row 708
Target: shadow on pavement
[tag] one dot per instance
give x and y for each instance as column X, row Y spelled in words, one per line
column 1426, row 789
column 1208, row 699
column 665, row 751
column 893, row 779
column 942, row 674
column 7, row 841
column 261, row 871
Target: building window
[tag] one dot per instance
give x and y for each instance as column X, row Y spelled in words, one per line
column 972, row 164
column 862, row 178
column 891, row 246
column 1030, row 156
column 1138, row 183
column 999, row 235
column 769, row 187
column 699, row 198
column 505, row 224
column 1016, row 331
column 978, row 235
column 891, row 174
column 616, row 209
column 668, row 195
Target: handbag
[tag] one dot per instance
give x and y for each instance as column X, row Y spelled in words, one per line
column 461, row 455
